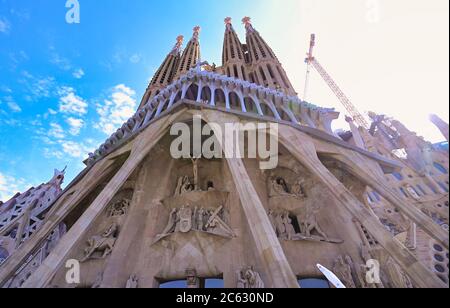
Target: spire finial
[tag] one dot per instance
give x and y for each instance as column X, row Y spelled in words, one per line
column 180, row 40
column 247, row 21
column 228, row 20
column 196, row 30
column 178, row 44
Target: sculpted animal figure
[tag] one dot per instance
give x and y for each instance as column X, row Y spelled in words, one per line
column 101, row 243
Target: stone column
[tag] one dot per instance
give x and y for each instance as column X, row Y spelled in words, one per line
column 269, row 249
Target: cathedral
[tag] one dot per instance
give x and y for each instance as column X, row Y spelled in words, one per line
column 369, row 204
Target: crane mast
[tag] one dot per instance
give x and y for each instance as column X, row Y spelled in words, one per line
column 351, row 109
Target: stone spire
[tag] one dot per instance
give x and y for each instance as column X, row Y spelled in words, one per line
column 233, row 56
column 266, row 69
column 191, row 54
column 23, row 214
column 165, row 73
column 441, row 124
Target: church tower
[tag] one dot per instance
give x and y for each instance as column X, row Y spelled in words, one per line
column 233, row 57
column 165, row 73
column 266, row 69
column 191, row 55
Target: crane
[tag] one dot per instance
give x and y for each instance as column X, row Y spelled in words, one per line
column 311, row 61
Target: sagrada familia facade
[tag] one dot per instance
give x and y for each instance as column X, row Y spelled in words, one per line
column 138, row 218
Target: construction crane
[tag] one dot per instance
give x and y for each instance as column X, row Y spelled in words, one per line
column 312, row 61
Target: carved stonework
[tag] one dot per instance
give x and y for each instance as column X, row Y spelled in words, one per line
column 119, row 208
column 98, row 281
column 343, row 270
column 103, row 244
column 132, row 282
column 184, row 185
column 185, row 219
column 192, row 280
column 248, row 278
column 278, row 187
column 307, row 227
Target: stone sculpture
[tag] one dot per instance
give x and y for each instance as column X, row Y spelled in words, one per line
column 132, row 282
column 103, row 243
column 119, row 208
column 343, row 269
column 248, row 278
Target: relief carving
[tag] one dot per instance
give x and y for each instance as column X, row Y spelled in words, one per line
column 278, row 187
column 343, row 270
column 103, row 244
column 302, row 227
column 132, row 282
column 248, row 278
column 185, row 219
column 119, row 208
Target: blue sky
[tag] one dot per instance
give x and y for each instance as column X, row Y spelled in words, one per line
column 64, row 87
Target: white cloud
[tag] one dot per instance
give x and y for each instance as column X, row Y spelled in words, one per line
column 117, row 109
column 37, row 87
column 4, row 25
column 5, row 89
column 76, row 149
column 70, row 103
column 78, row 74
column 52, row 112
column 12, row 104
column 9, row 186
column 50, row 153
column 135, row 58
column 56, row 131
column 75, row 125
column 59, row 61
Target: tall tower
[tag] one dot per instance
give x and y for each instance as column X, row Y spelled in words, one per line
column 266, row 69
column 441, row 124
column 191, row 55
column 165, row 73
column 233, row 57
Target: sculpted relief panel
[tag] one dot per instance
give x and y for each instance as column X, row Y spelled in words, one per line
column 187, row 219
column 294, row 216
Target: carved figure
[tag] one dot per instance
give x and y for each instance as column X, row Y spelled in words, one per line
column 343, row 269
column 101, row 243
column 310, row 223
column 171, row 224
column 185, row 220
column 216, row 225
column 287, row 221
column 132, row 282
column 297, row 189
column 119, row 208
column 248, row 278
